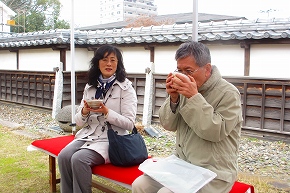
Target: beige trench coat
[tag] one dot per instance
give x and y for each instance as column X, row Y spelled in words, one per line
column 121, row 100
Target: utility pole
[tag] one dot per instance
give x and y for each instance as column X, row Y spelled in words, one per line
column 195, row 21
column 2, row 19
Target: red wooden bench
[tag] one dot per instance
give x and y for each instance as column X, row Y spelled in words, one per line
column 123, row 176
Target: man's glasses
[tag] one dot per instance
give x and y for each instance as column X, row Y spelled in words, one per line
column 187, row 72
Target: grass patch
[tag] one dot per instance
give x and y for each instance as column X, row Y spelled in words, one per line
column 21, row 171
column 26, row 172
column 261, row 184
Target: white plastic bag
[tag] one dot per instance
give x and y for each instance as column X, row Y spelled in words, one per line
column 176, row 174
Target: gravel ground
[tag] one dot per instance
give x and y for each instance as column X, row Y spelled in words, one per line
column 258, row 157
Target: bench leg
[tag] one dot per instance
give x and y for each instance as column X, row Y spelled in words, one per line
column 52, row 174
column 53, row 181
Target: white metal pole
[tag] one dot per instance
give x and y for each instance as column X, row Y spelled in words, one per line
column 2, row 14
column 195, row 21
column 72, row 54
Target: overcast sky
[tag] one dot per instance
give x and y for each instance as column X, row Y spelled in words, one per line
column 85, row 12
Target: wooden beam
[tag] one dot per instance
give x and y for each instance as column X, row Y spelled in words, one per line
column 247, row 55
column 247, row 63
column 62, row 55
column 152, row 52
column 17, row 59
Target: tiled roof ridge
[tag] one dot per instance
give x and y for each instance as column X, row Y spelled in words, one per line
column 214, row 30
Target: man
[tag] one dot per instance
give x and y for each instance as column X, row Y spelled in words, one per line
column 205, row 111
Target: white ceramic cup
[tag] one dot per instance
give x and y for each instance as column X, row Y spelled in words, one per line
column 180, row 74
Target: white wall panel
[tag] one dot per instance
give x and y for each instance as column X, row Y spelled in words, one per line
column 228, row 58
column 38, row 59
column 82, row 59
column 136, row 59
column 164, row 59
column 270, row 61
column 8, row 60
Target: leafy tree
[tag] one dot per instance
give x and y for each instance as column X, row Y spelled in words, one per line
column 36, row 15
column 17, row 4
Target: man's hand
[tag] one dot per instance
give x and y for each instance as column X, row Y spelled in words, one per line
column 171, row 91
column 184, row 85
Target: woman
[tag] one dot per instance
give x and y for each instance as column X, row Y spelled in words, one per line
column 107, row 81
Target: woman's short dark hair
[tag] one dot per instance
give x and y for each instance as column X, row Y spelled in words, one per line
column 198, row 51
column 102, row 52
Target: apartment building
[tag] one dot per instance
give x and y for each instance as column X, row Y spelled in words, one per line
column 5, row 14
column 120, row 10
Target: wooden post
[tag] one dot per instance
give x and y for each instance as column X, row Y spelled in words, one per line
column 247, row 55
column 52, row 174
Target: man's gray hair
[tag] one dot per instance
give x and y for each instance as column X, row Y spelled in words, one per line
column 197, row 50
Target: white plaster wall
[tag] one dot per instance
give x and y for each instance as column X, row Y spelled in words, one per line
column 38, row 59
column 270, row 61
column 136, row 59
column 228, row 58
column 164, row 59
column 8, row 60
column 266, row 60
column 82, row 59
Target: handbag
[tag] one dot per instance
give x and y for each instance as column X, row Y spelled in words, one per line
column 126, row 150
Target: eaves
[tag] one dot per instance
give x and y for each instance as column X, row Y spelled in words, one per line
column 210, row 31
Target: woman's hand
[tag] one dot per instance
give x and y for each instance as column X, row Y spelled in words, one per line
column 86, row 109
column 102, row 109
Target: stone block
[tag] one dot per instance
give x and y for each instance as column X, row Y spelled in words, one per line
column 64, row 119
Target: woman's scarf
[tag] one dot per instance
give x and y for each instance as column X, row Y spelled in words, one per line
column 104, row 85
